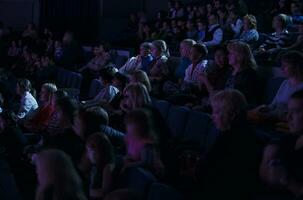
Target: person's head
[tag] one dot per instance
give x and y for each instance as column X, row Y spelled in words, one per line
column 58, row 95
column 190, row 25
column 185, row 47
column 198, row 52
column 56, row 171
column 89, row 121
column 159, row 48
column 107, row 74
column 99, row 149
column 145, row 49
column 292, row 65
column 240, row 55
column 296, row 8
column 47, row 92
column 249, row 22
column 96, row 51
column 228, row 107
column 104, row 48
column 66, row 109
column 213, row 19
column 279, row 22
column 120, row 81
column 68, row 38
column 140, row 76
column 217, row 4
column 221, row 56
column 201, row 25
column 135, row 95
column 295, row 112
column 23, row 85
column 140, row 125
column 209, row 8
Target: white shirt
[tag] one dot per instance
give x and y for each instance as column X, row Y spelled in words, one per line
column 217, row 38
column 106, row 95
column 134, row 63
column 28, row 105
column 237, row 27
column 192, row 75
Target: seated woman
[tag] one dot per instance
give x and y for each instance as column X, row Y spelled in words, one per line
column 249, row 34
column 275, row 41
column 243, row 76
column 141, row 142
column 57, row 176
column 159, row 71
column 28, row 103
column 292, row 67
column 135, row 95
column 281, row 166
column 41, row 118
column 230, row 167
column 140, row 62
column 140, row 76
column 108, row 92
column 100, row 153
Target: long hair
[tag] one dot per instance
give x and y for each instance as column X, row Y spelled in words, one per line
column 138, row 94
column 246, row 55
column 63, row 180
column 140, row 76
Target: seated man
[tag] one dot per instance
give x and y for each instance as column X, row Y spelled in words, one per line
column 214, row 35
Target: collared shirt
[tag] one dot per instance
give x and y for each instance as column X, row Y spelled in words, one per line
column 193, row 71
column 27, row 106
column 276, row 40
column 217, row 36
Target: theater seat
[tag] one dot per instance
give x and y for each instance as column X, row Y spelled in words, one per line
column 138, row 180
column 119, row 60
column 197, row 128
column 271, row 88
column 163, row 107
column 176, row 120
column 160, row 191
column 95, row 88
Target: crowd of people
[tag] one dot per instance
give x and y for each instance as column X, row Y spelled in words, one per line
column 54, row 145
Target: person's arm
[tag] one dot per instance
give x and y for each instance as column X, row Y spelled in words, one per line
column 296, row 45
column 217, row 38
column 146, row 158
column 237, row 28
column 107, row 183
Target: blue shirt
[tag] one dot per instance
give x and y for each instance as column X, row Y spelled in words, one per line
column 180, row 71
column 146, row 62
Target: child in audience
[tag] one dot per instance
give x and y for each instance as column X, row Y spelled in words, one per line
column 107, row 94
column 57, row 177
column 28, row 103
column 141, row 142
column 100, row 153
column 140, row 76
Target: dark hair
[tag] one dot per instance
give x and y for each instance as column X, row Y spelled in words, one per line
column 284, row 19
column 25, row 84
column 143, row 119
column 108, row 73
column 297, row 95
column 60, row 94
column 69, row 108
column 93, row 118
column 295, row 59
column 201, row 48
column 222, row 48
column 122, row 78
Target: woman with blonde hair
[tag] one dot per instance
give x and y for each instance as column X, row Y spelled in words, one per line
column 41, row 118
column 249, row 33
column 140, row 76
column 243, row 76
column 231, row 164
column 57, row 177
column 135, row 95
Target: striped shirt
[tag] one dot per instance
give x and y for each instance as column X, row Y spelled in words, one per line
column 277, row 40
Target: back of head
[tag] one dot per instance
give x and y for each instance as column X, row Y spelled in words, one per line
column 162, row 47
column 68, row 107
column 201, row 49
column 189, row 42
column 140, row 76
column 25, row 84
column 108, row 73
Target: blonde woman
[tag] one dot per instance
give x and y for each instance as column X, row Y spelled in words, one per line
column 41, row 118
column 231, row 163
column 57, row 177
column 140, row 76
column 249, row 33
column 243, row 76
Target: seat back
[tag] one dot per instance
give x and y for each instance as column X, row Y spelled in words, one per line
column 163, row 107
column 95, row 88
column 176, row 119
column 271, row 88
